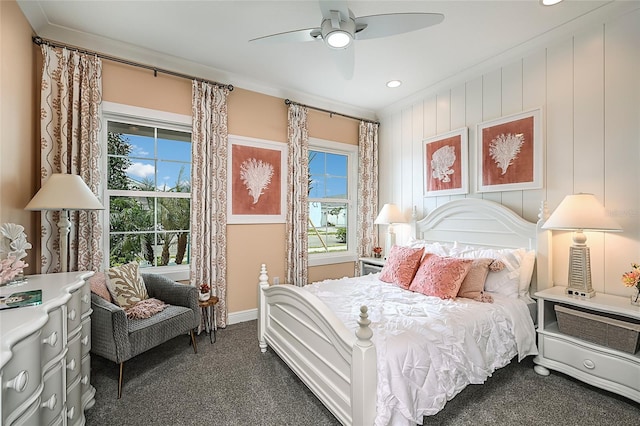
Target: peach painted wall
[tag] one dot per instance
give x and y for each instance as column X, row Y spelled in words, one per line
column 18, row 121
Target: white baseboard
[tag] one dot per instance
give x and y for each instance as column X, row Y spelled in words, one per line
column 242, row 316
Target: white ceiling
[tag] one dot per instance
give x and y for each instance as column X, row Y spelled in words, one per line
column 209, row 39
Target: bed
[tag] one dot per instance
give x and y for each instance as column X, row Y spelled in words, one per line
column 365, row 375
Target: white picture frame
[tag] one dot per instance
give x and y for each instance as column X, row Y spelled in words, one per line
column 446, row 163
column 256, row 180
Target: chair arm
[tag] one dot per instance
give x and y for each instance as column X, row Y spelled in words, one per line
column 109, row 330
column 171, row 292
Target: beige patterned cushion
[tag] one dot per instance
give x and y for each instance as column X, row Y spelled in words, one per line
column 126, row 285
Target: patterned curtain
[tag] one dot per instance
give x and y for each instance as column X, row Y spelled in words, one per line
column 209, row 192
column 367, row 188
column 298, row 193
column 71, row 95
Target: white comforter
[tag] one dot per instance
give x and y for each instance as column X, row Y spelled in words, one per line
column 429, row 349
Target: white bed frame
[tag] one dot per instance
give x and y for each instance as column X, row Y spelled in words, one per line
column 338, row 365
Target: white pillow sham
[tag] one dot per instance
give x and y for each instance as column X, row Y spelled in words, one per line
column 434, row 247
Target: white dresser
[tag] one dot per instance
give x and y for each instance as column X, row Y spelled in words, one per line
column 45, row 366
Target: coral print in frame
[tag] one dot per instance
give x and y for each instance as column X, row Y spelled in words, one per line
column 510, row 152
column 445, row 164
column 256, row 181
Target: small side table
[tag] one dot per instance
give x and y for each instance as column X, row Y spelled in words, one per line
column 371, row 265
column 208, row 311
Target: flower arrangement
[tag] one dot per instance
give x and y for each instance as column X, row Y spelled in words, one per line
column 204, row 288
column 377, row 251
column 632, row 279
column 13, row 247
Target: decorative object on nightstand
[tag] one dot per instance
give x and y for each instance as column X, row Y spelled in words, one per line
column 632, row 279
column 389, row 215
column 204, row 292
column 377, row 251
column 578, row 213
column 64, row 192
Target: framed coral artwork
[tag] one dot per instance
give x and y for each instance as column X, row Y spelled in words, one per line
column 510, row 152
column 257, row 181
column 445, row 164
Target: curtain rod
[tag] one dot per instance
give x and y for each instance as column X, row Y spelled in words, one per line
column 290, row 102
column 39, row 41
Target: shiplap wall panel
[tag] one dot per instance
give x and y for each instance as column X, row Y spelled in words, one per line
column 622, row 154
column 588, row 85
column 418, row 158
column 534, row 85
column 443, row 125
column 405, row 193
column 560, row 143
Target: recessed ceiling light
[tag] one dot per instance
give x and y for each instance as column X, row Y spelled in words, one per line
column 549, row 2
column 394, row 83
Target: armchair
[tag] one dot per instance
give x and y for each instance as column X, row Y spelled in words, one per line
column 118, row 338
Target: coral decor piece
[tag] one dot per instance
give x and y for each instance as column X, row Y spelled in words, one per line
column 13, row 247
column 441, row 162
column 256, row 176
column 505, row 148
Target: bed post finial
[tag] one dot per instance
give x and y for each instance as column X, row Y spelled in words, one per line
column 263, row 278
column 364, row 333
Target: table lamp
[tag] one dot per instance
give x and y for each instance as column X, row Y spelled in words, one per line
column 389, row 215
column 64, row 192
column 578, row 213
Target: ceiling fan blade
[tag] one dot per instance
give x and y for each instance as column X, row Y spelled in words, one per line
column 375, row 26
column 326, row 6
column 308, row 34
column 344, row 60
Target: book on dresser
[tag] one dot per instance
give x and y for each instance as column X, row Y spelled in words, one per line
column 21, row 299
column 45, row 361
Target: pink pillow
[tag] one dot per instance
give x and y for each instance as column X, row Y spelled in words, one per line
column 440, row 276
column 98, row 283
column 401, row 265
column 472, row 286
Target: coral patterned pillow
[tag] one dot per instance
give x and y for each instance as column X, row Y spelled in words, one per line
column 440, row 276
column 401, row 265
column 126, row 285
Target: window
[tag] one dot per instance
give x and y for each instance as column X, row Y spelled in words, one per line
column 332, row 211
column 148, row 191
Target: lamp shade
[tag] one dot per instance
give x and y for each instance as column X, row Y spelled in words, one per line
column 581, row 212
column 389, row 214
column 64, row 192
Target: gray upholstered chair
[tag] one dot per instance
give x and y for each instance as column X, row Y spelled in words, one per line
column 118, row 338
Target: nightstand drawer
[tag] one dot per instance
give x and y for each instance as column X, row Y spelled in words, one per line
column 370, row 269
column 590, row 361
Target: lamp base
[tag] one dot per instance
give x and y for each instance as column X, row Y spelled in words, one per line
column 580, row 272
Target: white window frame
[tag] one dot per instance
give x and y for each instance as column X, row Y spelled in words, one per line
column 351, row 151
column 145, row 117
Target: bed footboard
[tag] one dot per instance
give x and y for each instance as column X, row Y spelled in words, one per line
column 337, row 364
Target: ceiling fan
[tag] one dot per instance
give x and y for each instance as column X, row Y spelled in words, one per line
column 339, row 28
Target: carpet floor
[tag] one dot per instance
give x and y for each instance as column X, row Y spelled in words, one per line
column 231, row 383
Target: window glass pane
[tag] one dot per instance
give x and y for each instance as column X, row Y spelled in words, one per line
column 336, row 165
column 174, row 150
column 142, row 175
column 174, row 176
column 316, row 162
column 327, row 231
column 172, row 248
column 131, row 214
column 125, row 248
column 174, row 214
column 336, row 187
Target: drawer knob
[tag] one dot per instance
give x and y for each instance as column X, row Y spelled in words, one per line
column 52, row 339
column 19, row 383
column 71, row 365
column 50, row 403
column 86, row 298
column 72, row 315
column 71, row 412
column 85, row 340
column 589, row 364
column 85, row 379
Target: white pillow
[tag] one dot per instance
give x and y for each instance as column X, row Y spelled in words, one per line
column 514, row 280
column 434, row 247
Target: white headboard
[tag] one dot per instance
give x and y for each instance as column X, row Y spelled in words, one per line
column 478, row 222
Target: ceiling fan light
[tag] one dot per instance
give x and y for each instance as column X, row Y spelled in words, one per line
column 549, row 2
column 393, row 83
column 338, row 39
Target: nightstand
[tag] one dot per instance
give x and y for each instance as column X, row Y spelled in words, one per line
column 576, row 354
column 371, row 265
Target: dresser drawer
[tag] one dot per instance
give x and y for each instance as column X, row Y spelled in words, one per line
column 74, row 406
column 30, row 417
column 53, row 394
column 22, row 375
column 52, row 337
column 74, row 311
column 74, row 358
column 603, row 365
